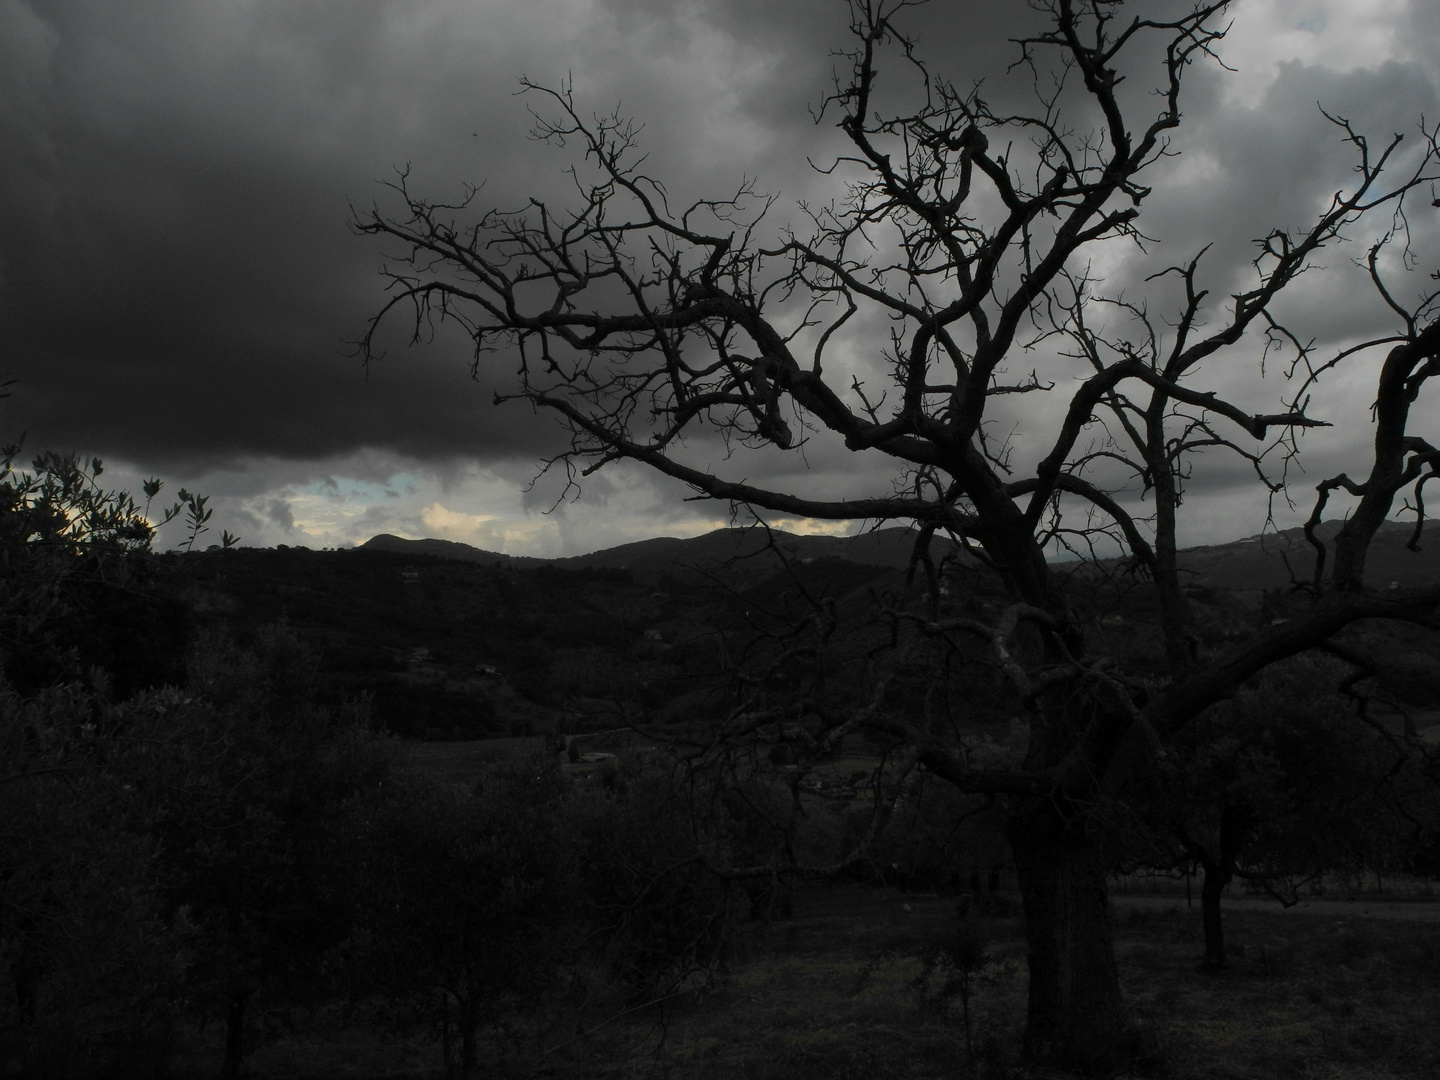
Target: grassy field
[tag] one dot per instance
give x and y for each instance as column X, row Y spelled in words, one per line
column 844, row 991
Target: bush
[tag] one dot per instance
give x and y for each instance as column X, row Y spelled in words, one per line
column 463, row 891
column 77, row 576
column 662, row 915
column 81, row 936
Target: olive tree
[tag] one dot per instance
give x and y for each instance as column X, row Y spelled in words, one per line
column 965, row 234
column 1276, row 788
column 88, row 629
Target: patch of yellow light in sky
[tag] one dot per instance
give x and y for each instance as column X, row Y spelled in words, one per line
column 444, row 520
column 517, row 541
column 815, row 526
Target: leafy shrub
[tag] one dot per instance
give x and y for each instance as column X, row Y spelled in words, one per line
column 460, row 894
column 661, row 914
column 81, row 938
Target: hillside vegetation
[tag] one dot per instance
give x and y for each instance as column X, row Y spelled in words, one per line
column 451, row 642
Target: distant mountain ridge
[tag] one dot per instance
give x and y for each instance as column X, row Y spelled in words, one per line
column 447, row 549
column 1273, row 560
column 891, row 548
column 1265, row 561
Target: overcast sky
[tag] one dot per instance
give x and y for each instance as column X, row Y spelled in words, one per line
column 178, row 283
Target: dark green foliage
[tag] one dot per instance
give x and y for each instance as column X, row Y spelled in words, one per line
column 1286, row 782
column 418, row 709
column 367, row 620
column 82, row 943
column 1313, row 785
column 941, row 840
column 461, row 893
column 949, row 964
column 247, row 789
column 172, row 852
column 78, row 587
column 88, row 620
column 663, row 915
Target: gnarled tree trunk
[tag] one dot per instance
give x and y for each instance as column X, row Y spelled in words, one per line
column 1077, row 1016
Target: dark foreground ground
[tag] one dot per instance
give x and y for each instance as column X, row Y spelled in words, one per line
column 844, row 991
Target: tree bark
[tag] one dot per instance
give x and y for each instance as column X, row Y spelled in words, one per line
column 469, row 1024
column 1218, row 871
column 447, row 1046
column 27, row 972
column 1211, row 889
column 234, row 1034
column 1076, row 1019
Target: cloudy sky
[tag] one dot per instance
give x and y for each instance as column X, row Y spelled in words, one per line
column 178, row 283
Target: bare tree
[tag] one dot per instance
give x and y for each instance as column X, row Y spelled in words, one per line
column 964, row 229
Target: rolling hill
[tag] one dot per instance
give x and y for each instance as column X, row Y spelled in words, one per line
column 450, row 641
column 1251, row 564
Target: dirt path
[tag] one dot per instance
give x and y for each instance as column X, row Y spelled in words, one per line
column 1427, row 911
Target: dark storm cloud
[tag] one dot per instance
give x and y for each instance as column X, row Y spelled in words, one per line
column 1275, row 161
column 179, row 279
column 178, row 283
